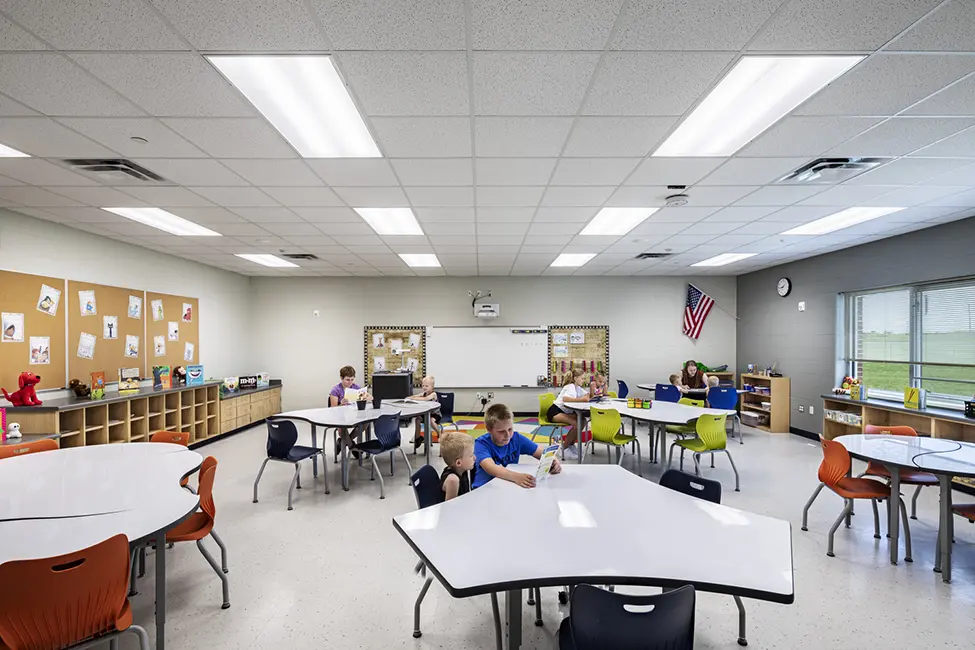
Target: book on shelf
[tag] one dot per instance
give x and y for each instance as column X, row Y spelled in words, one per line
column 194, row 375
column 230, row 385
column 98, row 385
column 161, row 377
column 128, row 380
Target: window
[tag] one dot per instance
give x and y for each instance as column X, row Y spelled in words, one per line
column 921, row 336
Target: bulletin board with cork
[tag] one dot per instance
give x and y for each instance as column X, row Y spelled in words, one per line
column 380, row 342
column 577, row 346
column 105, row 330
column 172, row 331
column 33, row 330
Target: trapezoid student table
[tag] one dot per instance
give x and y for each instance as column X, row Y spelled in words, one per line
column 682, row 540
column 62, row 501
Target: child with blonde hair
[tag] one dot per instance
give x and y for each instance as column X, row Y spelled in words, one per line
column 457, row 450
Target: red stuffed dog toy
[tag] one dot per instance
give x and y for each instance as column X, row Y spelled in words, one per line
column 26, row 396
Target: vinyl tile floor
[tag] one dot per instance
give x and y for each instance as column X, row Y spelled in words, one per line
column 333, row 573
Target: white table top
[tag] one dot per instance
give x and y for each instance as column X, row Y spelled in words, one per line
column 935, row 455
column 350, row 415
column 659, row 412
column 570, row 528
column 57, row 502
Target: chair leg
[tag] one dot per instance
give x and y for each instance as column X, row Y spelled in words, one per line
column 682, row 456
column 142, row 562
column 697, row 464
column 917, row 493
column 728, row 453
column 298, row 475
column 258, row 479
column 140, row 632
column 712, row 459
column 876, row 519
column 216, row 569
column 133, row 591
column 742, row 639
column 741, row 437
column 190, row 488
column 325, row 471
column 805, row 510
column 382, row 483
column 836, row 524
column 113, row 643
column 639, row 456
column 907, row 532
column 498, row 636
column 409, row 468
column 538, row 607
column 335, row 444
column 670, row 457
column 223, row 550
column 392, row 466
column 291, row 488
column 416, row 607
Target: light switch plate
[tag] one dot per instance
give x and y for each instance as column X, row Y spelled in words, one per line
column 316, row 313
column 802, row 306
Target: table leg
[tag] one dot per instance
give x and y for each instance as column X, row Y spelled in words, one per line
column 578, row 436
column 345, row 458
column 945, row 530
column 427, row 438
column 512, row 619
column 314, row 443
column 894, row 512
column 161, row 591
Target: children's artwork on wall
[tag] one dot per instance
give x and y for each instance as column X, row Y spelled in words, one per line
column 135, row 307
column 131, row 346
column 86, row 345
column 577, row 338
column 86, row 300
column 560, row 351
column 48, row 300
column 157, row 310
column 414, row 341
column 109, row 327
column 40, row 350
column 379, row 340
column 173, row 330
column 379, row 364
column 412, row 364
column 13, row 328
column 395, row 344
column 159, row 345
column 383, row 347
column 187, row 312
column 188, row 351
column 560, row 339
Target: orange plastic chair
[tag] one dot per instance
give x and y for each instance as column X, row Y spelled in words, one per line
column 70, row 601
column 834, row 473
column 33, row 447
column 908, row 477
column 174, row 438
column 200, row 524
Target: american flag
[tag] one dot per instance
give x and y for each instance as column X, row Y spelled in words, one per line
column 697, row 309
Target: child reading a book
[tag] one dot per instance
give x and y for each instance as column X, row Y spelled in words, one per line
column 337, row 396
column 563, row 415
column 598, row 387
column 502, row 446
column 457, row 450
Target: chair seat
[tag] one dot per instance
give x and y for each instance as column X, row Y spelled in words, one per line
column 908, row 477
column 860, row 488
column 695, row 444
column 618, row 439
column 685, row 429
column 300, row 452
column 371, row 447
column 966, row 510
column 196, row 527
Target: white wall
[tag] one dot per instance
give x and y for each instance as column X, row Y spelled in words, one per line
column 39, row 247
column 644, row 315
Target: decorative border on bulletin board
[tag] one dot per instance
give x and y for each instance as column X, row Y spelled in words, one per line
column 391, row 332
column 595, row 349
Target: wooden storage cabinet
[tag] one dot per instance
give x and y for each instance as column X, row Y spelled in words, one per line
column 244, row 410
column 773, row 406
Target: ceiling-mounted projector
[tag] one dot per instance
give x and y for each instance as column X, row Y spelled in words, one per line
column 487, row 310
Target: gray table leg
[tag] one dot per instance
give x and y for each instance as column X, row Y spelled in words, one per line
column 512, row 619
column 345, row 459
column 427, row 438
column 161, row 591
column 578, row 435
column 945, row 530
column 314, row 443
column 894, row 512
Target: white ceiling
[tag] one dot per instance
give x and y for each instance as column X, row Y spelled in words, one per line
column 505, row 124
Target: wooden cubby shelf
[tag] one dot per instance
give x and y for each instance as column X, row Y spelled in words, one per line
column 775, row 418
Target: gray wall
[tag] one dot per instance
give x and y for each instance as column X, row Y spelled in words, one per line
column 804, row 344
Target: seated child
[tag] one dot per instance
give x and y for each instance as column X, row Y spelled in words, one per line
column 502, row 446
column 427, row 393
column 457, row 450
column 675, row 380
column 712, row 383
column 598, row 387
column 336, row 396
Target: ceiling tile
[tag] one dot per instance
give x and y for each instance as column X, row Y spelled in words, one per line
column 753, row 171
column 653, row 83
column 403, row 25
column 14, row 38
column 961, row 144
column 85, row 215
column 638, row 197
column 35, row 171
column 489, row 214
column 346, row 228
column 514, row 171
column 617, row 136
column 209, row 215
column 444, row 241
column 434, row 171
column 424, row 137
column 947, row 30
column 42, row 136
column 962, row 175
column 911, row 196
column 531, row 83
column 231, row 137
column 576, row 196
column 99, row 197
column 174, row 197
column 464, row 228
column 441, row 196
column 508, row 196
column 680, row 215
column 759, row 228
column 19, row 75
column 807, row 136
column 117, row 134
column 800, row 214
column 236, row 196
column 300, row 197
column 848, row 194
column 35, row 197
column 888, row 83
column 275, row 173
column 779, row 195
column 957, row 99
column 267, row 214
column 901, row 135
column 408, row 83
column 542, row 25
column 439, row 215
column 673, row 171
column 568, row 215
column 326, row 215
column 244, row 25
column 192, row 172
column 10, row 108
column 716, row 195
column 502, row 228
column 351, row 172
column 593, row 171
column 911, row 171
column 243, row 230
column 520, row 136
column 964, row 199
column 717, row 26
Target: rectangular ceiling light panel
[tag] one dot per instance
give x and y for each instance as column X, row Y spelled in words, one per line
column 166, row 221
column 304, row 98
column 573, row 259
column 840, row 220
column 756, row 94
column 7, row 152
column 420, row 260
column 724, row 259
column 616, row 221
column 266, row 260
column 391, row 221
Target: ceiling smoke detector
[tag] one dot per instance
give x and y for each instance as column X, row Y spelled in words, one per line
column 676, row 201
column 829, row 171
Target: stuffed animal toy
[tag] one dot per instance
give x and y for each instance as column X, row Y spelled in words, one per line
column 179, row 376
column 26, row 396
column 80, row 390
column 13, row 430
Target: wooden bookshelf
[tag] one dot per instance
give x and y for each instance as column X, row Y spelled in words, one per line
column 775, row 417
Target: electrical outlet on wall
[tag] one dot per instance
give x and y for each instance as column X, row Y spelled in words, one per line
column 812, row 410
column 802, row 306
column 490, row 395
column 802, row 409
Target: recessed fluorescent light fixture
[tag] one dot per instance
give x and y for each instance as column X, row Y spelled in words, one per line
column 391, row 221
column 616, row 221
column 725, row 258
column 573, row 259
column 156, row 218
column 305, row 99
column 840, row 220
column 420, row 260
column 266, row 260
column 7, row 152
column 756, row 94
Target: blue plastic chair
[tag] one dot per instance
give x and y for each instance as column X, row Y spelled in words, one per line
column 666, row 393
column 624, row 389
column 723, row 397
column 388, row 439
column 281, row 438
column 446, row 401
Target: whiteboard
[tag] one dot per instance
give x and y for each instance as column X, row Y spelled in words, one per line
column 486, row 357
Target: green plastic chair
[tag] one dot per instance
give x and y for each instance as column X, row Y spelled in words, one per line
column 689, row 429
column 607, row 429
column 545, row 402
column 711, row 438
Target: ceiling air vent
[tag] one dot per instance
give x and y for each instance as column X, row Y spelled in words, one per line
column 828, row 171
column 110, row 169
column 300, row 256
column 652, row 256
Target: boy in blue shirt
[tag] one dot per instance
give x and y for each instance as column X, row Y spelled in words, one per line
column 502, row 446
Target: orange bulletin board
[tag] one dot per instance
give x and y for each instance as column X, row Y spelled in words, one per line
column 22, row 294
column 109, row 353
column 189, row 331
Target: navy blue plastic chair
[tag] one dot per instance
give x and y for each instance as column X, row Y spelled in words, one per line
column 446, row 401
column 624, row 390
column 387, row 439
column 723, row 397
column 666, row 393
column 281, row 438
column 603, row 619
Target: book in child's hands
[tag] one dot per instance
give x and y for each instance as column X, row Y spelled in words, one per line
column 351, row 395
column 161, row 377
column 98, row 385
column 128, row 380
column 545, row 463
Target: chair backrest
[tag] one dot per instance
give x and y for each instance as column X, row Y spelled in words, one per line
column 386, row 430
column 426, row 487
column 624, row 389
column 33, row 447
column 605, row 423
column 666, row 393
column 446, row 405
column 687, row 401
column 281, row 437
column 722, row 397
column 602, row 619
column 612, row 394
column 208, row 472
column 172, row 437
column 836, row 462
column 58, row 601
column 545, row 401
column 711, row 430
column 695, row 486
column 883, row 430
